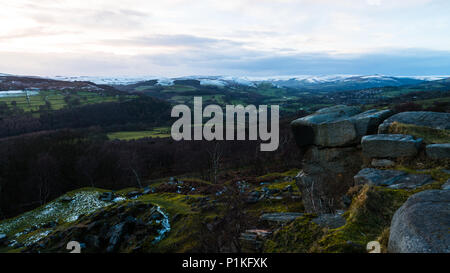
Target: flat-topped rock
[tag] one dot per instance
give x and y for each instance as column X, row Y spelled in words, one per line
column 336, row 126
column 377, row 177
column 368, row 122
column 438, row 151
column 387, row 145
column 422, row 224
column 326, row 127
column 434, row 120
column 391, row 178
column 280, row 217
column 412, row 181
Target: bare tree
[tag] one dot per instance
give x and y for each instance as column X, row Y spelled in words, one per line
column 44, row 175
column 134, row 163
column 215, row 157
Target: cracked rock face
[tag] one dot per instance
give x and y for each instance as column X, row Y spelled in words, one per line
column 331, row 136
column 390, row 145
column 438, row 151
column 422, row 224
column 336, row 126
column 327, row 175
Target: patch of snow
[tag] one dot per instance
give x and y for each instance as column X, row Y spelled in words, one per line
column 212, row 82
column 165, row 81
column 105, row 80
column 165, row 223
column 242, row 80
column 119, row 199
column 17, row 93
column 83, row 202
column 35, row 238
column 426, row 78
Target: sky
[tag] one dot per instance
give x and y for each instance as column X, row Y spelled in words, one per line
column 224, row 37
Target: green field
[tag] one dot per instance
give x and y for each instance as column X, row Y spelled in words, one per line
column 56, row 99
column 160, row 132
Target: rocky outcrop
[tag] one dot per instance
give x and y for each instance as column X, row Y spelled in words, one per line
column 336, row 126
column 330, row 138
column 326, row 127
column 119, row 228
column 422, row 224
column 438, row 151
column 326, row 176
column 392, row 146
column 391, row 178
column 427, row 119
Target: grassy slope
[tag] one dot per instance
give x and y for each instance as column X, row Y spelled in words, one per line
column 160, row 132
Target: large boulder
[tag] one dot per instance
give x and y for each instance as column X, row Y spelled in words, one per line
column 427, row 119
column 336, row 126
column 385, row 145
column 377, row 177
column 392, row 178
column 368, row 122
column 326, row 127
column 438, row 151
column 422, row 224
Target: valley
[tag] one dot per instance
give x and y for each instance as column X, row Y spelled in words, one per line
column 94, row 162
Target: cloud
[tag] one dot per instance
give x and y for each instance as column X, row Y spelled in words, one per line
column 214, row 62
column 178, row 40
column 220, row 37
column 374, row 2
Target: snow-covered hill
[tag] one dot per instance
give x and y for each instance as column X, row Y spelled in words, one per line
column 307, row 82
column 301, row 81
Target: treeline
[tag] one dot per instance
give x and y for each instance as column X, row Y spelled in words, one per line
column 142, row 110
column 39, row 167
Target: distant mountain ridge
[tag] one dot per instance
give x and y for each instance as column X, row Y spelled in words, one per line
column 305, row 82
column 301, row 82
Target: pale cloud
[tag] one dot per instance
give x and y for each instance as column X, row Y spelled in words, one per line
column 374, row 2
column 211, row 36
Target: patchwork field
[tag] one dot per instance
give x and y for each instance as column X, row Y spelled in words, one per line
column 58, row 99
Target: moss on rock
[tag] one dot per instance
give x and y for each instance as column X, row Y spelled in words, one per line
column 297, row 237
column 369, row 215
column 428, row 134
